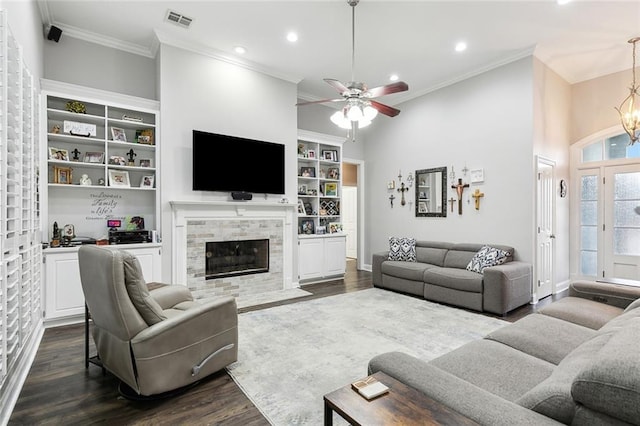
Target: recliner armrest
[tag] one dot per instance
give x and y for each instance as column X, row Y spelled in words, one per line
column 506, row 286
column 193, row 325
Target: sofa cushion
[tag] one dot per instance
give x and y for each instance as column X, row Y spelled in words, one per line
column 582, row 311
column 458, row 279
column 487, row 256
column 431, row 255
column 524, row 335
column 138, row 292
column 552, row 397
column 402, row 249
column 408, row 270
column 495, row 367
column 610, row 383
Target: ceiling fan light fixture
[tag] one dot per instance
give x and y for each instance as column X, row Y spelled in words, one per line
column 339, row 119
column 369, row 112
column 354, row 113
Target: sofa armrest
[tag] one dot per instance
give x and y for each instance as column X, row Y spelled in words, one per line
column 506, row 287
column 376, row 267
column 467, row 399
column 614, row 294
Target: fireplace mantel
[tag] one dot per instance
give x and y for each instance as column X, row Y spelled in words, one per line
column 184, row 212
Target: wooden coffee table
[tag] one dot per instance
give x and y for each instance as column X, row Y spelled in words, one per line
column 402, row 405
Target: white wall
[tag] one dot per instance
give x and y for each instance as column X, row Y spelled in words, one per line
column 552, row 128
column 88, row 64
column 24, row 21
column 200, row 92
column 483, row 122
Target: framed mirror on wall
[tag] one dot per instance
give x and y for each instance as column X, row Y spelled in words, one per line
column 431, row 192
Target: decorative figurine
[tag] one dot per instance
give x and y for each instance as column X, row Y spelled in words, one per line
column 85, row 180
column 131, row 161
column 55, row 129
column 75, row 153
column 101, row 181
column 55, row 239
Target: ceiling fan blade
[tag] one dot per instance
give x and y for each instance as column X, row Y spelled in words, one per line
column 385, row 109
column 338, row 85
column 319, row 102
column 398, row 86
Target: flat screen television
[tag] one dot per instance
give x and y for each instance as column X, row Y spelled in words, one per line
column 233, row 164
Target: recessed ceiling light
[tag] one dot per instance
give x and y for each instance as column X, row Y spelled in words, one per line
column 292, row 37
column 393, row 77
column 461, row 46
column 240, row 50
column 562, row 2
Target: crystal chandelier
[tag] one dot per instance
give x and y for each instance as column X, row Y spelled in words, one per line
column 628, row 110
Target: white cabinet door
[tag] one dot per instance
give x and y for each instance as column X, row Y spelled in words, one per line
column 311, row 258
column 63, row 289
column 150, row 263
column 335, row 256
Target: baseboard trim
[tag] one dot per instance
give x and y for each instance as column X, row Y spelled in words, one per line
column 57, row 322
column 16, row 378
column 562, row 286
column 367, row 267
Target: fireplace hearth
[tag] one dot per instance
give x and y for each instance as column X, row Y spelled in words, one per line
column 234, row 258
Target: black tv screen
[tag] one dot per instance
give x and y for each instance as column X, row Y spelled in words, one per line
column 233, row 164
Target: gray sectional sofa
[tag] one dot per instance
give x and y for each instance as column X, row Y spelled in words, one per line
column 576, row 361
column 440, row 274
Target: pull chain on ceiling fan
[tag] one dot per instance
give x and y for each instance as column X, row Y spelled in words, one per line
column 360, row 106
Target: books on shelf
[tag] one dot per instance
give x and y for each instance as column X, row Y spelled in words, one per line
column 370, row 387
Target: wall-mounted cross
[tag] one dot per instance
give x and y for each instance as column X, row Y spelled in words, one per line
column 452, row 201
column 459, row 187
column 402, row 190
column 477, row 195
column 391, row 198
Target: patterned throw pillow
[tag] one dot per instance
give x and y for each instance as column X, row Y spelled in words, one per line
column 487, row 256
column 403, row 249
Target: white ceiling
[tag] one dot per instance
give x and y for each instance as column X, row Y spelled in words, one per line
column 415, row 39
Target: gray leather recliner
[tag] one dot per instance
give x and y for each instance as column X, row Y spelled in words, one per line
column 155, row 338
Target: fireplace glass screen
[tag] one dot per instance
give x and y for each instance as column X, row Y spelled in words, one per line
column 232, row 258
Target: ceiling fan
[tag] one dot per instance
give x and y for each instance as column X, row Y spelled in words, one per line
column 360, row 106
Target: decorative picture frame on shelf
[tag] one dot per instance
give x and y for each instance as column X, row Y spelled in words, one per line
column 145, row 162
column 58, row 154
column 335, row 227
column 119, row 178
column 333, row 173
column 145, row 136
column 331, row 189
column 301, row 207
column 311, row 153
column 63, row 175
column 118, row 134
column 330, row 155
column 117, row 160
column 308, row 208
column 302, row 189
column 147, row 181
column 308, row 172
column 307, row 227
column 94, row 157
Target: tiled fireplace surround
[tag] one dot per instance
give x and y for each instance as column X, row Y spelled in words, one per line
column 196, row 223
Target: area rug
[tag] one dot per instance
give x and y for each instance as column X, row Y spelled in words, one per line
column 290, row 356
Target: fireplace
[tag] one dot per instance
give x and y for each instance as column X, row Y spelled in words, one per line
column 233, row 258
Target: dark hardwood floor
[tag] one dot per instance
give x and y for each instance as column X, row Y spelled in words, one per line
column 59, row 390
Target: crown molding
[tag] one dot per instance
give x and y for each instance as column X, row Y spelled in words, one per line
column 457, row 79
column 164, row 38
column 45, row 14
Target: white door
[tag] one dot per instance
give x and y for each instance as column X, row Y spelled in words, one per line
column 543, row 284
column 350, row 219
column 622, row 222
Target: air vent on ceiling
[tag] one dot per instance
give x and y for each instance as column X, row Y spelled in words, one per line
column 178, row 19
